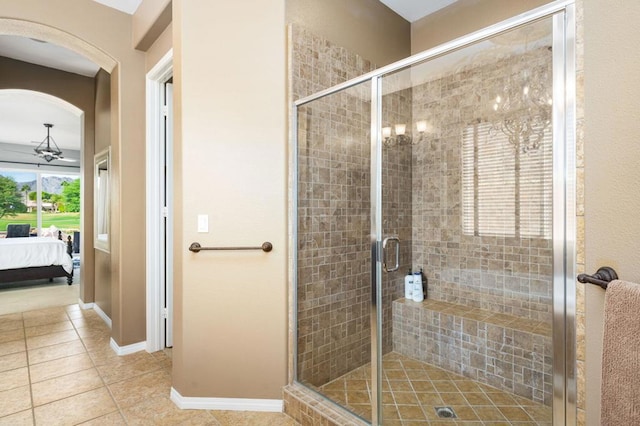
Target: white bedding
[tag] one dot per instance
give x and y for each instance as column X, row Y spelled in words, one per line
column 34, row 251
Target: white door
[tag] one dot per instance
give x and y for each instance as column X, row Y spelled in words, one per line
column 167, row 220
column 159, row 199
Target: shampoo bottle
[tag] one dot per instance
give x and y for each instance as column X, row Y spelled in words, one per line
column 418, row 292
column 408, row 285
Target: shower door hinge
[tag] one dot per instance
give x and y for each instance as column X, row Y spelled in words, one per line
column 164, row 211
column 164, row 313
column 164, row 110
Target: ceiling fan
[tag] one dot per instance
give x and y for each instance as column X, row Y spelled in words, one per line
column 48, row 149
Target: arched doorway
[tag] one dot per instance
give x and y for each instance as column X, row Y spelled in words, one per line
column 77, row 94
column 48, row 188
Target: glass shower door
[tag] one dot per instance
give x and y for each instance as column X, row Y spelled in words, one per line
column 467, row 154
column 333, row 265
column 459, row 167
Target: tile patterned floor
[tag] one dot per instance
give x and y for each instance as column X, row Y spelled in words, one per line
column 56, row 368
column 412, row 389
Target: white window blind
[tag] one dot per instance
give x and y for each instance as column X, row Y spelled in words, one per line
column 505, row 192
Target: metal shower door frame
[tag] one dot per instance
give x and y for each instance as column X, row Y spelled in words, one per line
column 564, row 199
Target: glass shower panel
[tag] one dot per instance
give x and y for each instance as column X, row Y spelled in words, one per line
column 467, row 186
column 333, row 273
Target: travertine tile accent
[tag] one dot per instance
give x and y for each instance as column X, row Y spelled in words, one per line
column 512, row 354
column 411, row 390
column 309, row 409
column 580, row 231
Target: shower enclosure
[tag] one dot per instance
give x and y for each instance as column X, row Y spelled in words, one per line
column 459, row 162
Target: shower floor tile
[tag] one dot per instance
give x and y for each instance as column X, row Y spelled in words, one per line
column 412, row 390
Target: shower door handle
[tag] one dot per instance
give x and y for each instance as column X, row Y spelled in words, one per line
column 385, row 242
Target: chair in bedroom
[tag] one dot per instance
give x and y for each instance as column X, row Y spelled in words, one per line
column 15, row 230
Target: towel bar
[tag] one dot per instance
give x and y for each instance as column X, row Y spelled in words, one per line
column 266, row 247
column 601, row 278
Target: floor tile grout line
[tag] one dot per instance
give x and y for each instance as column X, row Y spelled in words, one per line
column 415, row 393
column 33, row 407
column 104, row 384
column 26, row 350
column 120, row 409
column 159, row 365
column 482, row 388
column 31, row 383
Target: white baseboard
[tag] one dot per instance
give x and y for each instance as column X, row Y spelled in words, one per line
column 85, row 306
column 129, row 349
column 124, row 350
column 231, row 404
column 102, row 315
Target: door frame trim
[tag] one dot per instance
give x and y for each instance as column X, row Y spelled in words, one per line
column 155, row 80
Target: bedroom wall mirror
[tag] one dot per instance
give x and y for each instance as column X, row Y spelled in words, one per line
column 101, row 200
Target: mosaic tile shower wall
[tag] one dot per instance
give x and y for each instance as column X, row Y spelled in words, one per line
column 497, row 289
column 396, row 205
column 334, row 222
column 507, row 274
column 503, row 277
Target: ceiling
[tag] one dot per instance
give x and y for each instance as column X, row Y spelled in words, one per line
column 46, row 54
column 126, row 6
column 24, row 109
column 412, row 10
column 22, row 114
column 22, row 117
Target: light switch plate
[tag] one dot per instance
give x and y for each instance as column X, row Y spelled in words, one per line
column 203, row 223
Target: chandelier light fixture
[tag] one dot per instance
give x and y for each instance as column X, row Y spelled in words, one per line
column 522, row 111
column 48, row 149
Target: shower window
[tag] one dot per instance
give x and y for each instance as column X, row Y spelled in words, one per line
column 505, row 192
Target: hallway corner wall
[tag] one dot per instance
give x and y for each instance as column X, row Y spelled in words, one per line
column 230, row 308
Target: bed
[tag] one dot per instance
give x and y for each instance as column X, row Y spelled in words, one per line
column 32, row 258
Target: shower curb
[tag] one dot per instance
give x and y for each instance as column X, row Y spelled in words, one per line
column 308, row 408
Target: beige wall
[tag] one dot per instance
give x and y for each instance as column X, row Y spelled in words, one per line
column 79, row 91
column 612, row 156
column 230, row 336
column 104, row 34
column 103, row 281
column 366, row 27
column 103, row 141
column 150, row 19
column 230, row 317
column 464, row 17
column 159, row 48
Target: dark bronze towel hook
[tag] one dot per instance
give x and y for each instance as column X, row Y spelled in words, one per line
column 601, row 278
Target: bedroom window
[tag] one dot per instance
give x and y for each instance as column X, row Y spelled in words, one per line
column 40, row 199
column 505, row 192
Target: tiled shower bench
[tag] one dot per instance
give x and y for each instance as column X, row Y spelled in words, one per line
column 510, row 353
